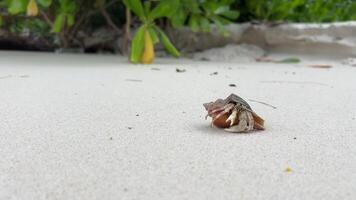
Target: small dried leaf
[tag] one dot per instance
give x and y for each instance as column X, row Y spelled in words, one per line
column 32, row 8
column 180, row 70
column 321, row 66
column 288, row 170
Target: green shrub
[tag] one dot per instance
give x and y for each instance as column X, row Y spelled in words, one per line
column 302, row 10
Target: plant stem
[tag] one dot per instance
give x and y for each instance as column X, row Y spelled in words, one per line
column 127, row 35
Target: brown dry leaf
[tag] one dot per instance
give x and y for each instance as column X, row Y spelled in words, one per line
column 290, row 60
column 321, row 66
column 265, row 59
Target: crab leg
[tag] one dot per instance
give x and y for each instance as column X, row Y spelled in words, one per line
column 245, row 123
column 251, row 121
column 232, row 117
column 224, row 110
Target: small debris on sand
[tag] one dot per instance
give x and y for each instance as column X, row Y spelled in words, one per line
column 180, row 70
column 155, row 69
column 288, row 170
column 130, row 128
column 350, row 61
column 133, row 80
column 321, row 66
column 232, row 85
column 214, row 73
column 3, row 77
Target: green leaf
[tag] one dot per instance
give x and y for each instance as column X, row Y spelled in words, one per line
column 178, row 18
column 221, row 27
column 289, row 60
column 17, row 6
column 136, row 7
column 58, row 23
column 231, row 14
column 45, row 3
column 137, row 46
column 168, row 44
column 221, row 9
column 194, row 23
column 205, row 24
column 163, row 9
column 154, row 35
column 147, row 6
column 68, row 6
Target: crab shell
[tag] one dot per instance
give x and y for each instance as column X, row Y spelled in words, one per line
column 221, row 120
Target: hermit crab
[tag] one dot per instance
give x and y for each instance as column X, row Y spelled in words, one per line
column 234, row 115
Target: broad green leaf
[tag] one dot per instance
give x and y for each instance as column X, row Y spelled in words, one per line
column 138, row 44
column 163, row 9
column 154, row 35
column 45, row 3
column 147, row 6
column 168, row 44
column 68, row 6
column 178, row 18
column 136, row 7
column 17, row 6
column 231, row 14
column 194, row 23
column 205, row 24
column 221, row 27
column 223, row 20
column 221, row 9
column 58, row 23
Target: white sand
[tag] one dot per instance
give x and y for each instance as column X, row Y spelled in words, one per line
column 64, row 130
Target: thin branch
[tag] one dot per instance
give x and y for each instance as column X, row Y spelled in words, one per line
column 88, row 15
column 127, row 35
column 108, row 19
column 46, row 18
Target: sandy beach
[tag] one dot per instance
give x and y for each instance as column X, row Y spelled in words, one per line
column 97, row 127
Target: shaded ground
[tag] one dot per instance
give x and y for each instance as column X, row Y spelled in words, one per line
column 95, row 127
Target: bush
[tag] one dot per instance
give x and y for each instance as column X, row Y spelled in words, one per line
column 302, row 10
column 60, row 21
